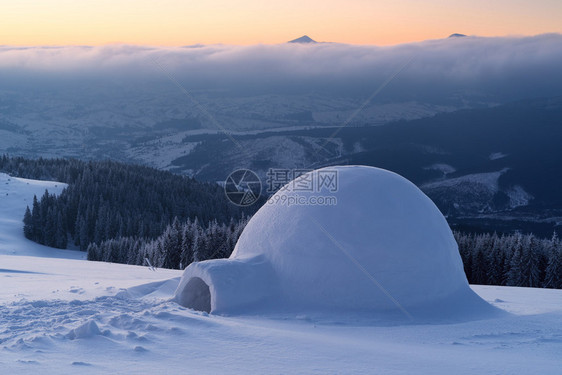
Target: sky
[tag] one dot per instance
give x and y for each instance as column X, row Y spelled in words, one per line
column 246, row 22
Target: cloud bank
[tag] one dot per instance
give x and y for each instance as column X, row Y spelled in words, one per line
column 499, row 69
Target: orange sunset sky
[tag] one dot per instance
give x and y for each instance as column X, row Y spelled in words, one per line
column 175, row 22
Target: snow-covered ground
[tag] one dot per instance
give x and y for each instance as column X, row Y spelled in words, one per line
column 62, row 316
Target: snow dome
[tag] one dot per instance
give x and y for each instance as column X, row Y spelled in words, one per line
column 338, row 239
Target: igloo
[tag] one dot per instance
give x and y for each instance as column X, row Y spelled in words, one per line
column 346, row 239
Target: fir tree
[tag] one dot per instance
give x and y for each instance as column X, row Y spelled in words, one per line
column 36, row 220
column 530, row 263
column 61, row 237
column 553, row 277
column 515, row 276
column 28, row 224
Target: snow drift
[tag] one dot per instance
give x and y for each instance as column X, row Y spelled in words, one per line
column 380, row 247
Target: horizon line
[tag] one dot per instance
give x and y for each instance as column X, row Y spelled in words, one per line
column 195, row 45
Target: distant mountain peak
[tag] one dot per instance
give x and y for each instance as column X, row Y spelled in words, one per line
column 303, row 39
column 456, row 35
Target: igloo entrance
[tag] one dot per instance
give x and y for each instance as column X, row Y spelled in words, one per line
column 196, row 295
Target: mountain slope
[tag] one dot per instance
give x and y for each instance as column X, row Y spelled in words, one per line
column 69, row 315
column 503, row 160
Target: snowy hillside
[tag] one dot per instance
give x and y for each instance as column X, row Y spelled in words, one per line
column 15, row 195
column 63, row 316
column 475, row 192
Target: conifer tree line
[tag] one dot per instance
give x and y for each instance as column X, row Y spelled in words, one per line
column 179, row 245
column 108, row 200
column 44, row 225
column 512, row 260
column 489, row 259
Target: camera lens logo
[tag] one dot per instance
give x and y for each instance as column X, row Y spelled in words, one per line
column 243, row 187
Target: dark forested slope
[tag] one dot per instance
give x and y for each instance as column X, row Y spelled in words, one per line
column 106, row 200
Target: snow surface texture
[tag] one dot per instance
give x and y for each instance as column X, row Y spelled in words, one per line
column 66, row 316
column 383, row 248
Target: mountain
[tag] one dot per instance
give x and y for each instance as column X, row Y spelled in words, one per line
column 303, row 39
column 456, row 35
column 491, row 168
